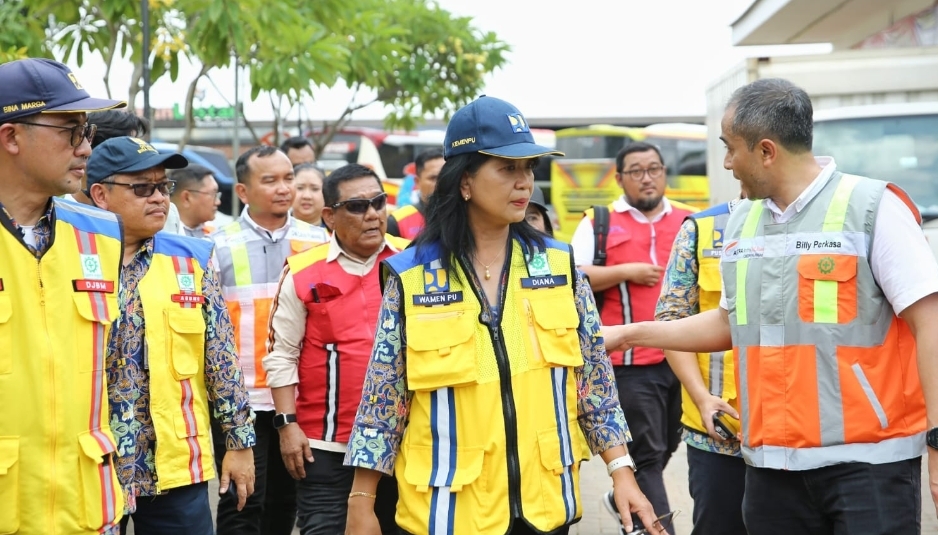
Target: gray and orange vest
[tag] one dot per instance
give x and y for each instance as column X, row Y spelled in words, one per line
column 249, row 265
column 826, row 370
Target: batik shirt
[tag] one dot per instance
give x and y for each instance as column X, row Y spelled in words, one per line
column 376, row 435
column 129, row 379
column 680, row 297
column 42, row 231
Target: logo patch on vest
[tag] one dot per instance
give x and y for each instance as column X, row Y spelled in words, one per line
column 437, row 298
column 718, row 237
column 90, row 285
column 91, row 266
column 538, row 266
column 435, row 280
column 826, row 265
column 186, row 282
column 547, row 281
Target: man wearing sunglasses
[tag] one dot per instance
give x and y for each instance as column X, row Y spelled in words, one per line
column 171, row 359
column 197, row 198
column 251, row 252
column 322, row 329
column 59, row 265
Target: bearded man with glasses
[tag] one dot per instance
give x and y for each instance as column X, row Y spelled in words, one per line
column 59, row 266
column 322, row 330
column 171, row 359
column 642, row 226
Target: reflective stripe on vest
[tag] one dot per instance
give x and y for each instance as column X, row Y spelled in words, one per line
column 453, row 474
column 818, row 344
column 171, row 294
column 56, row 314
column 717, row 369
column 250, row 264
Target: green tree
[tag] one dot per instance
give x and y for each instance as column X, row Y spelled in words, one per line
column 24, row 31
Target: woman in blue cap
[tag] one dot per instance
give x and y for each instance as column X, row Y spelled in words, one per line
column 488, row 382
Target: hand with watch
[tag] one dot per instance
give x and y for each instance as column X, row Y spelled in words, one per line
column 294, row 446
column 626, row 495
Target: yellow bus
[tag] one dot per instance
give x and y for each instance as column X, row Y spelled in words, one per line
column 587, row 175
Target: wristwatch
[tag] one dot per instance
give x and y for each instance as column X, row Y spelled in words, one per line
column 931, row 438
column 621, row 462
column 283, row 419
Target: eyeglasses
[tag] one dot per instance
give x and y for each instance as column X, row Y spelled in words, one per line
column 216, row 194
column 655, row 171
column 146, row 189
column 360, row 206
column 662, row 523
column 78, row 132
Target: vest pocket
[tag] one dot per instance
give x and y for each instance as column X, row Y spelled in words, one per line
column 99, row 490
column 6, row 337
column 185, row 339
column 552, row 328
column 441, row 350
column 99, row 310
column 9, row 484
column 827, row 288
column 433, row 488
column 560, row 475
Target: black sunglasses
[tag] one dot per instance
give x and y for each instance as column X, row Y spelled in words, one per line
column 145, row 189
column 78, row 132
column 662, row 522
column 360, row 206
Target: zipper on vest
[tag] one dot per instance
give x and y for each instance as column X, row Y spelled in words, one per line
column 53, row 419
column 510, row 414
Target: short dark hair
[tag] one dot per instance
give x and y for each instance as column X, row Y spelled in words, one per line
column 776, row 109
column 242, row 170
column 637, row 146
column 295, row 142
column 115, row 123
column 427, row 155
column 189, row 177
column 330, row 187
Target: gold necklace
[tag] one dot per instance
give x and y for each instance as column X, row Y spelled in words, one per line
column 487, row 274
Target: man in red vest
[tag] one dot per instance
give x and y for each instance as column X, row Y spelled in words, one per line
column 408, row 221
column 642, row 227
column 322, row 328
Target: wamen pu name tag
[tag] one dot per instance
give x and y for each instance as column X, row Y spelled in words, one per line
column 437, row 298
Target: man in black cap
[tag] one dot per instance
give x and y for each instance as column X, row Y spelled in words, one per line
column 59, row 265
column 171, row 356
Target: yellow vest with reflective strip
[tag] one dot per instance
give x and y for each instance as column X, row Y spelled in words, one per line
column 486, row 399
column 175, row 337
column 717, row 369
column 56, row 447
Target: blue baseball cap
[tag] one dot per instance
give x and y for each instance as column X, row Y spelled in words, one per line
column 494, row 127
column 37, row 85
column 125, row 154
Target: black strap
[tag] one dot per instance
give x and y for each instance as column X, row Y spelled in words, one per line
column 600, row 234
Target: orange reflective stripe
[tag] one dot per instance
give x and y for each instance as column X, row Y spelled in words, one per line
column 261, row 315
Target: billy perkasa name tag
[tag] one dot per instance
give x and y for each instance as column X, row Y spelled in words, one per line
column 436, row 289
column 540, row 276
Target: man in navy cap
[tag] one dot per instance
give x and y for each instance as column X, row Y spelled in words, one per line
column 59, row 265
column 171, row 356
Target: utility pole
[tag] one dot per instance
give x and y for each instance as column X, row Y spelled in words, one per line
column 145, row 57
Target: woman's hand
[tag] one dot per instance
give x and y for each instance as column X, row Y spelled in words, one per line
column 629, row 497
column 361, row 519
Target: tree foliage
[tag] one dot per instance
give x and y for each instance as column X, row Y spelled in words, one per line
column 409, row 56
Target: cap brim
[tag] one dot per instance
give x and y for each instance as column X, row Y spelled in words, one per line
column 519, row 151
column 169, row 161
column 87, row 105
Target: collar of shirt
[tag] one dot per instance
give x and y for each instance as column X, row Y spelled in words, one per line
column 621, row 205
column 828, row 166
column 275, row 235
column 350, row 264
column 42, row 230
